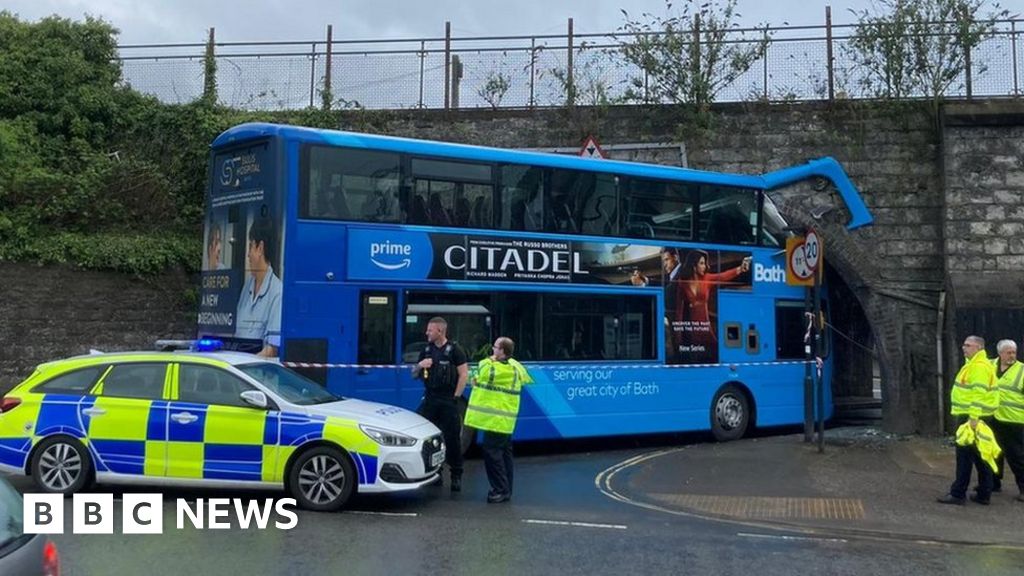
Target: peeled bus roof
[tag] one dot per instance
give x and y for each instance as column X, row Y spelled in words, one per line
column 825, row 167
column 255, row 130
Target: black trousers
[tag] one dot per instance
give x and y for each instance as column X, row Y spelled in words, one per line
column 444, row 413
column 967, row 458
column 497, row 448
column 1010, row 437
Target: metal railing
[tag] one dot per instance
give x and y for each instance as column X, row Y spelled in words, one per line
column 801, row 63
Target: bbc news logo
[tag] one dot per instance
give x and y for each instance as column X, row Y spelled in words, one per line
column 144, row 514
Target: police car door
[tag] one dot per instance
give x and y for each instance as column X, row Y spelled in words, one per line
column 127, row 424
column 213, row 433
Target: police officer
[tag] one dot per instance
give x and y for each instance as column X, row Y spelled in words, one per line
column 493, row 408
column 444, row 370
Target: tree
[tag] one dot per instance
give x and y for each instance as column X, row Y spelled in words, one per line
column 915, row 48
column 61, row 77
column 494, row 88
column 685, row 58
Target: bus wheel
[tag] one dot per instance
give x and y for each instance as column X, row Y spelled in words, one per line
column 730, row 413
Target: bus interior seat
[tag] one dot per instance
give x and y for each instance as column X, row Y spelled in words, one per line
column 418, row 211
column 462, row 211
column 476, row 213
column 602, row 219
column 439, row 215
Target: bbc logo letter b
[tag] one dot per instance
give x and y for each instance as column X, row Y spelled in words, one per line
column 43, row 513
column 93, row 514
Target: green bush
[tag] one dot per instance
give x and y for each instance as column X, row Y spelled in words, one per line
column 97, row 175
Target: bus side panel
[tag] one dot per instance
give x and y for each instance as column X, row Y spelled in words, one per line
column 601, row 400
column 320, row 305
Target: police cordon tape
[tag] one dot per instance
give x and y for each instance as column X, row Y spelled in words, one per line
column 732, row 365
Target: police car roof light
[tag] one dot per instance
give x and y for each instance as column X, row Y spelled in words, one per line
column 172, row 345
column 208, row 345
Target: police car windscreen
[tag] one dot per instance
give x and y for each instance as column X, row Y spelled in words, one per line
column 288, row 384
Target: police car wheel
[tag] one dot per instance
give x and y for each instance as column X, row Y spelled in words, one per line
column 322, row 479
column 730, row 414
column 61, row 465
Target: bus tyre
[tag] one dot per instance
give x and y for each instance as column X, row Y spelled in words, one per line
column 322, row 479
column 730, row 413
column 61, row 464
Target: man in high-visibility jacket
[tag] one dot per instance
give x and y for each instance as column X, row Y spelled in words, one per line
column 493, row 408
column 974, row 396
column 1008, row 424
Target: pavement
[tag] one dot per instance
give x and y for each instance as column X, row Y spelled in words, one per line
column 866, row 484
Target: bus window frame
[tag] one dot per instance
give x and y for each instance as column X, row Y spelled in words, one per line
column 622, row 184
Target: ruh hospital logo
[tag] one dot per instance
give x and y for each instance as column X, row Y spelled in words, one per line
column 388, row 255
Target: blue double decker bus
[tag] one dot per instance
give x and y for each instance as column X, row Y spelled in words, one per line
column 642, row 298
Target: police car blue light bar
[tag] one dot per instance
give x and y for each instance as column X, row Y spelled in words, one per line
column 201, row 345
column 208, row 345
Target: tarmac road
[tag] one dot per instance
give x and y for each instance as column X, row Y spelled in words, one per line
column 559, row 522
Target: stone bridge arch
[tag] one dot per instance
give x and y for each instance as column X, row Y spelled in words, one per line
column 903, row 324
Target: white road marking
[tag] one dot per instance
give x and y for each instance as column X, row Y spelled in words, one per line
column 371, row 513
column 798, row 538
column 577, row 524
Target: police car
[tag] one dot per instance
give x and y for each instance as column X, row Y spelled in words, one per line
column 208, row 419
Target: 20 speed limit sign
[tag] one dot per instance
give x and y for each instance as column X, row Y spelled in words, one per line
column 812, row 250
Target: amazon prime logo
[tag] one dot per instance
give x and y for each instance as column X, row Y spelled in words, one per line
column 396, row 255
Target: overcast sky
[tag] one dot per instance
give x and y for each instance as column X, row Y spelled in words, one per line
column 166, row 21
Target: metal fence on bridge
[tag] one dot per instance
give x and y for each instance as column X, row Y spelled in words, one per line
column 800, row 63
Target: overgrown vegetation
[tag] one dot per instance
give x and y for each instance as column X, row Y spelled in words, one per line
column 906, row 49
column 93, row 173
column 684, row 56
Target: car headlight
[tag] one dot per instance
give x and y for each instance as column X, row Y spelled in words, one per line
column 387, row 437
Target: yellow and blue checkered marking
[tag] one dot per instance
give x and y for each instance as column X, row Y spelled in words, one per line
column 139, row 437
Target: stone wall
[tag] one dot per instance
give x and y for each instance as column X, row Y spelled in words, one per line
column 938, row 195
column 54, row 312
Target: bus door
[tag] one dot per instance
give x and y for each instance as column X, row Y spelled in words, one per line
column 375, row 376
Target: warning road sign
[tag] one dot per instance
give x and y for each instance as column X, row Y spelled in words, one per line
column 591, row 149
column 798, row 271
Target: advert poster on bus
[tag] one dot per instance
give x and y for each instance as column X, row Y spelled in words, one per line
column 240, row 299
column 690, row 277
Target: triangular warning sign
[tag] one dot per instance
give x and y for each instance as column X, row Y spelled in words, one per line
column 591, row 149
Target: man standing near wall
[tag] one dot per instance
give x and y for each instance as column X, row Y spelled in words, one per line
column 1008, row 424
column 974, row 396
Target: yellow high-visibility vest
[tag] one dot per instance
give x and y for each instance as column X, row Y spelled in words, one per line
column 494, row 402
column 1011, row 393
column 974, row 391
column 984, row 438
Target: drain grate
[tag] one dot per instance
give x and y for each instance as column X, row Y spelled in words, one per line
column 767, row 508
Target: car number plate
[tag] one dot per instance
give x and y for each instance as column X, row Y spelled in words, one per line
column 437, row 458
